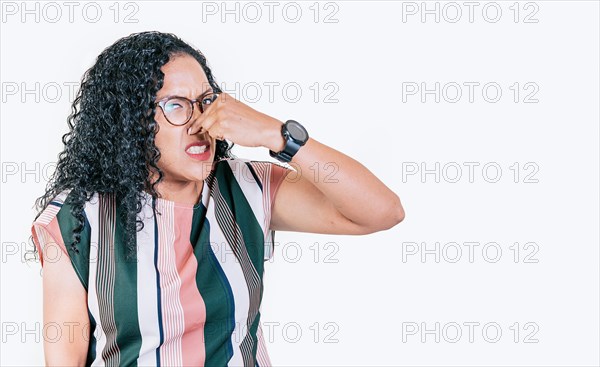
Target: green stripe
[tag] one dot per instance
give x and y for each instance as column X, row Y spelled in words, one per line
column 67, row 223
column 129, row 337
column 215, row 291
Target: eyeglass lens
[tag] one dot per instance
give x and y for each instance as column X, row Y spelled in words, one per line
column 179, row 110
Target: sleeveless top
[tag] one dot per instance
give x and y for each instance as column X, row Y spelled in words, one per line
column 193, row 295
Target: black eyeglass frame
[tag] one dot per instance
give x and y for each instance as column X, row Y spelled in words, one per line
column 161, row 103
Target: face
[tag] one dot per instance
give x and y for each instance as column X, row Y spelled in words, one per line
column 184, row 77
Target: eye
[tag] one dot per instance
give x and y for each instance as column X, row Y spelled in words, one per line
column 172, row 106
column 208, row 100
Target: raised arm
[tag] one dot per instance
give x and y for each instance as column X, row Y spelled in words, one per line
column 331, row 193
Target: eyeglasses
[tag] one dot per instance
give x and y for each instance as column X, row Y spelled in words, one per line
column 179, row 110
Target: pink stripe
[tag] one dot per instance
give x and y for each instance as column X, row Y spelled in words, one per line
column 275, row 179
column 46, row 226
column 277, row 175
column 54, row 230
column 194, row 308
column 48, row 241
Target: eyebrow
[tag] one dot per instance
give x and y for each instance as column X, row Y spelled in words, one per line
column 209, row 90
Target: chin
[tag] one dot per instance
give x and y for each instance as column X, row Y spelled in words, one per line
column 206, row 168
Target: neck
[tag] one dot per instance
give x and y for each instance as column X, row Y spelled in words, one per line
column 183, row 192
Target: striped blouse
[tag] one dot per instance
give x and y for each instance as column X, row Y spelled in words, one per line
column 193, row 296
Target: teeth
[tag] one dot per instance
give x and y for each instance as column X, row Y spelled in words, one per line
column 196, row 149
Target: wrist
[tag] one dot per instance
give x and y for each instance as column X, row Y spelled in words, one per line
column 274, row 139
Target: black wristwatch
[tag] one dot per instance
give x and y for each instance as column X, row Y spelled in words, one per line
column 295, row 136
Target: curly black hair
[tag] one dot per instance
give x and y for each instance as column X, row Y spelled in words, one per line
column 110, row 146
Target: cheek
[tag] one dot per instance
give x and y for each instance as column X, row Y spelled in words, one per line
column 166, row 142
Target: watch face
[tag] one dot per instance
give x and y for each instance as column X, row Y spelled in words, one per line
column 297, row 132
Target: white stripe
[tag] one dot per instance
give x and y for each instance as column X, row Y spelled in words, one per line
column 51, row 210
column 91, row 212
column 250, row 188
column 262, row 356
column 146, row 289
column 233, row 271
column 263, row 171
column 48, row 214
column 269, row 234
column 170, row 285
column 269, row 245
column 267, row 198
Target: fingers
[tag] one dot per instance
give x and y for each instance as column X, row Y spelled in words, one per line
column 203, row 123
column 209, row 121
column 210, row 125
column 216, row 132
column 207, row 118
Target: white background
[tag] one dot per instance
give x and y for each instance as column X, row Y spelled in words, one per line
column 360, row 309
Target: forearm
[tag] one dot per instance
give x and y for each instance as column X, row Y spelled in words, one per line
column 354, row 191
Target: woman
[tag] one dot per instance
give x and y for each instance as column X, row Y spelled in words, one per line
column 152, row 235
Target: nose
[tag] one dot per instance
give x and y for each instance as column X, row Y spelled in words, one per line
column 194, row 117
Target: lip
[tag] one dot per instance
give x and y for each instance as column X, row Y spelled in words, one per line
column 198, row 143
column 202, row 156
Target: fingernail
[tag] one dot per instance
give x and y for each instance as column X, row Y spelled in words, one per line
column 189, row 130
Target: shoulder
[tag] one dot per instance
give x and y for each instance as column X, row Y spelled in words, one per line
column 251, row 172
column 47, row 228
column 53, row 235
column 55, row 206
column 59, row 215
